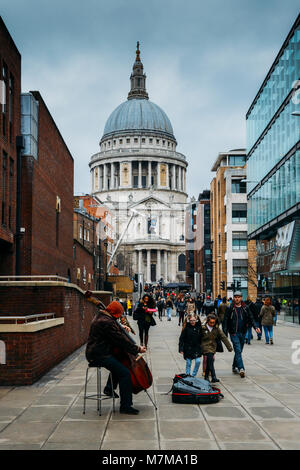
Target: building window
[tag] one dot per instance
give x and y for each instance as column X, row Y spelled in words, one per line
column 157, row 141
column 80, row 232
column 143, row 141
column 239, row 213
column 135, row 181
column 150, row 141
column 181, row 262
column 239, row 244
column 120, row 141
column 136, row 140
column 128, row 141
column 240, row 267
column 237, row 160
column 238, row 186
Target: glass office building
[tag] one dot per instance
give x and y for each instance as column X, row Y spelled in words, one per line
column 273, row 177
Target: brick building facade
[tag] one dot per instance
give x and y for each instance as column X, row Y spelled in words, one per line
column 233, row 264
column 47, row 200
column 10, row 89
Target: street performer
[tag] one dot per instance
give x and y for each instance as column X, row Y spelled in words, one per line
column 105, row 335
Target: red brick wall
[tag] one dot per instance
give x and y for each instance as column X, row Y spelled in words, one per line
column 10, row 56
column 83, row 259
column 44, row 179
column 31, row 355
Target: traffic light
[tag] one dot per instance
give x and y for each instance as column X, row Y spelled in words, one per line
column 238, row 284
column 222, row 285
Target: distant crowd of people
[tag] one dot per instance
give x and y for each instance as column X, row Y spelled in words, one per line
column 207, row 323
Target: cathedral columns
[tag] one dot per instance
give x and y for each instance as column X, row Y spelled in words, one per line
column 166, row 265
column 140, row 175
column 149, row 174
column 174, row 177
column 148, row 272
column 158, row 265
column 140, row 261
column 167, row 177
column 104, row 177
column 112, row 176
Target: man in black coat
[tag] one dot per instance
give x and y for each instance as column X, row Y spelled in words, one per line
column 237, row 319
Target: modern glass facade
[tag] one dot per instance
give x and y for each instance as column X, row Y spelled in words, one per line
column 277, row 87
column 273, row 164
column 273, row 177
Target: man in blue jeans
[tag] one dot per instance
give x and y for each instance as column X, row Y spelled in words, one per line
column 238, row 317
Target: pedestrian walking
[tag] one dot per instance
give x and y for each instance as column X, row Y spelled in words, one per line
column 129, row 307
column 277, row 306
column 160, row 306
column 198, row 305
column 267, row 315
column 190, row 306
column 211, row 334
column 169, row 308
column 258, row 305
column 144, row 317
column 237, row 318
column 208, row 306
column 190, row 345
column 181, row 309
column 221, row 311
column 251, row 305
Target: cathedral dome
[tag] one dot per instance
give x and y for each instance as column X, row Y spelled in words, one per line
column 138, row 115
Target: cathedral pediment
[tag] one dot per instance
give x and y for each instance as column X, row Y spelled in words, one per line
column 150, row 202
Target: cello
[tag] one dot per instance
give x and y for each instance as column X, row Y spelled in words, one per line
column 141, row 377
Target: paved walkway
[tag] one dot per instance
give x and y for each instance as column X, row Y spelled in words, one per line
column 261, row 411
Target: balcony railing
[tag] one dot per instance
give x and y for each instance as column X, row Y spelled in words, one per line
column 139, row 152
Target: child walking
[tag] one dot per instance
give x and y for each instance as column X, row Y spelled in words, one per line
column 190, row 345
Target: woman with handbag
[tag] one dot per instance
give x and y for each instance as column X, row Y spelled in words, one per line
column 144, row 316
column 212, row 340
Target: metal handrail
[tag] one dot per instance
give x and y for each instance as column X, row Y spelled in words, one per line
column 26, row 317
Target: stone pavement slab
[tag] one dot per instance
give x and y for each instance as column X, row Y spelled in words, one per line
column 261, row 411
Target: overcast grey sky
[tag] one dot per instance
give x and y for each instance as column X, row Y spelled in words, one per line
column 204, row 61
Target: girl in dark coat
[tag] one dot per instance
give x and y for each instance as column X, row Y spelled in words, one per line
column 190, row 345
